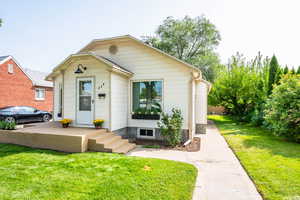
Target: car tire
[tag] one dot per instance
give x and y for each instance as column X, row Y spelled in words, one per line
column 10, row 119
column 46, row 118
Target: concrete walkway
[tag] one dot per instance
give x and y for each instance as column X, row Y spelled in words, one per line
column 220, row 175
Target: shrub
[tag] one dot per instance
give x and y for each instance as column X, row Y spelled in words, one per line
column 170, row 126
column 282, row 113
column 7, row 125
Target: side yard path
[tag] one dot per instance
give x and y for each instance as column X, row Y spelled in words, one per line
column 220, row 175
column 272, row 162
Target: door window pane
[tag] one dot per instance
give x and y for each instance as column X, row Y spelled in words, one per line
column 85, row 103
column 85, row 95
column 85, row 88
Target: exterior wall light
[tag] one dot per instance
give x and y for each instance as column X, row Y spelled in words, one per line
column 80, row 69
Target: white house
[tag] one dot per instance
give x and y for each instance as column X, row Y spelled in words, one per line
column 124, row 81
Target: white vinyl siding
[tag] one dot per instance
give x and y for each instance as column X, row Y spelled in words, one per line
column 147, row 64
column 56, row 98
column 119, row 101
column 99, row 72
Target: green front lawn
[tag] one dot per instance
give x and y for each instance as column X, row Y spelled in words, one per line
column 272, row 162
column 33, row 174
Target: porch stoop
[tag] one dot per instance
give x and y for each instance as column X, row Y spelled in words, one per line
column 105, row 141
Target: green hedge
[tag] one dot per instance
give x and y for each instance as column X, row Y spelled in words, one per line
column 282, row 113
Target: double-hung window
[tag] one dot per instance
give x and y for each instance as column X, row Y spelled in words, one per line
column 40, row 93
column 147, row 96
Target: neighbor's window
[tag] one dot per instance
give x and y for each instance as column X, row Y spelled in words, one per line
column 39, row 93
column 146, row 95
column 10, row 68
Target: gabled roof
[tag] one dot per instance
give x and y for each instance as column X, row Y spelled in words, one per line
column 87, row 47
column 3, row 59
column 37, row 78
column 114, row 66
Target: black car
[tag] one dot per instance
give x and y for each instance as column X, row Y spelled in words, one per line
column 21, row 114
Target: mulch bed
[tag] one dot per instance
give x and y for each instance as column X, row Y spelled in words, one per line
column 191, row 147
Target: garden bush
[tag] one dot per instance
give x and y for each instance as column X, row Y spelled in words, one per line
column 282, row 113
column 7, row 125
column 170, row 126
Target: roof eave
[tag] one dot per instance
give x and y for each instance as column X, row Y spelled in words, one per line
column 116, row 68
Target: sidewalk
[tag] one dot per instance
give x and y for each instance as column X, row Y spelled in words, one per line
column 220, row 175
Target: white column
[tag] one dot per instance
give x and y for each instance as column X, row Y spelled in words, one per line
column 201, row 106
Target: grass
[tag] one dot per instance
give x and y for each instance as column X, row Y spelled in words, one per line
column 151, row 146
column 272, row 162
column 27, row 173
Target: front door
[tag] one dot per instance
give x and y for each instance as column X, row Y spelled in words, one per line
column 85, row 101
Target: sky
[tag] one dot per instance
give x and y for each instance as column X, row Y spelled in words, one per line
column 41, row 34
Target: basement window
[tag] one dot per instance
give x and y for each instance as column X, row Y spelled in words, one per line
column 148, row 133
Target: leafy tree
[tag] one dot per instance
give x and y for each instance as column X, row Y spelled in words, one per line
column 0, row 22
column 273, row 73
column 242, row 87
column 191, row 39
column 282, row 113
column 298, row 71
column 286, row 70
column 293, row 71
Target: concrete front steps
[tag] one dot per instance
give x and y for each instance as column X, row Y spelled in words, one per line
column 105, row 141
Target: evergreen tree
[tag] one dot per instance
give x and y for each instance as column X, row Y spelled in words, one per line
column 298, row 71
column 278, row 75
column 286, row 70
column 274, row 66
column 293, row 71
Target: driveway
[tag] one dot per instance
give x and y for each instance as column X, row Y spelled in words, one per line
column 220, row 175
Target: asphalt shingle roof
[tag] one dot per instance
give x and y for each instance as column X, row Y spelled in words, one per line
column 3, row 57
column 38, row 77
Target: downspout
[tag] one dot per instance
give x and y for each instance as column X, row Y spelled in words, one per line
column 195, row 76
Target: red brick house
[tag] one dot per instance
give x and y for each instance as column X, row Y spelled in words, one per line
column 23, row 87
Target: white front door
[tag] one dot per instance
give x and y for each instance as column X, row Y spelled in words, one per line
column 85, row 101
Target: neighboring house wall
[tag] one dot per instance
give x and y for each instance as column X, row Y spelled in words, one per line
column 17, row 89
column 101, row 77
column 119, row 101
column 147, row 64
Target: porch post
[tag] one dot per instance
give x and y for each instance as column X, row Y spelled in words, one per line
column 201, row 107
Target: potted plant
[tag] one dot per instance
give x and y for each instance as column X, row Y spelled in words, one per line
column 65, row 122
column 98, row 123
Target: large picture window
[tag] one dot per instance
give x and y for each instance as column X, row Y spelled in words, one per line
column 147, row 97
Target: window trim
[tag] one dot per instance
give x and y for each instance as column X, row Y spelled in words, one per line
column 10, row 68
column 146, row 80
column 145, row 137
column 36, row 96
